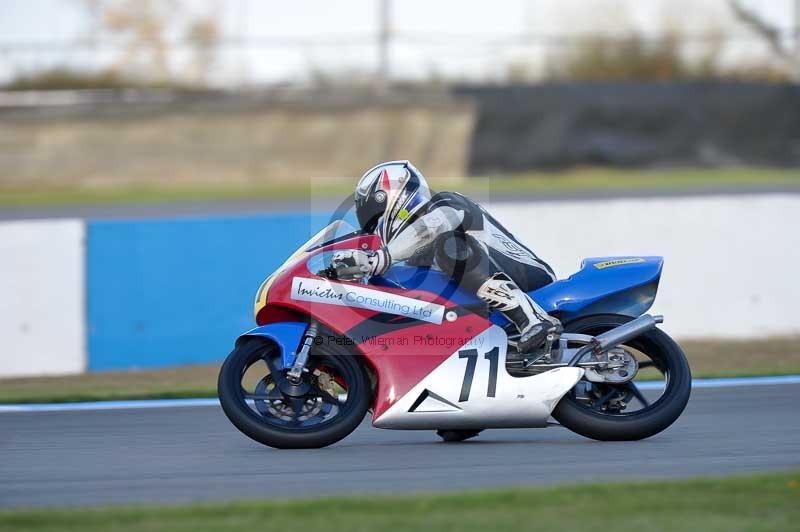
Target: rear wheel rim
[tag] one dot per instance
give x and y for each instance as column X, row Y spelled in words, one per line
column 641, row 395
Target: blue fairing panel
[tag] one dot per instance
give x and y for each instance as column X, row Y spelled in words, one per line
column 618, row 285
column 412, row 278
column 286, row 335
column 615, row 285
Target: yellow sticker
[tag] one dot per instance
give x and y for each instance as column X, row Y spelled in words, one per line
column 403, row 214
column 617, row 262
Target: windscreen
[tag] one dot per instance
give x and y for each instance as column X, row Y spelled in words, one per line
column 335, row 231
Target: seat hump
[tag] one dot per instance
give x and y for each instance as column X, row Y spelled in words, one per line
column 612, row 280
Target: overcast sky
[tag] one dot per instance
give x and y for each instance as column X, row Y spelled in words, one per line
column 455, row 38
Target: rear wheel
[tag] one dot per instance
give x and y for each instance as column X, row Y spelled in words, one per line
column 328, row 404
column 639, row 408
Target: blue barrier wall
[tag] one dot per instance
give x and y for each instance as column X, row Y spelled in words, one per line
column 170, row 292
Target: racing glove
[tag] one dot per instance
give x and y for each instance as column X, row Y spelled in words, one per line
column 355, row 264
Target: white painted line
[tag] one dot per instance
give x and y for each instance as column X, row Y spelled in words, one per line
column 182, row 403
column 699, row 384
column 107, row 405
column 746, row 381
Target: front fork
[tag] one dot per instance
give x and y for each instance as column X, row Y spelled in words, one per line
column 295, row 373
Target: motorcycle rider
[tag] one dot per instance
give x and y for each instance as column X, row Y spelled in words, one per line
column 456, row 235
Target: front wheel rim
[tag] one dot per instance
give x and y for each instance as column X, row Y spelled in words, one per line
column 327, row 392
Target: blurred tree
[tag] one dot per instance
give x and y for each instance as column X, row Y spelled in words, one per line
column 770, row 33
column 203, row 34
column 661, row 59
column 142, row 26
column 146, row 31
column 610, row 45
column 64, row 78
column 630, row 58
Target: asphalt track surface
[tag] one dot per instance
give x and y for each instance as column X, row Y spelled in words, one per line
column 169, row 455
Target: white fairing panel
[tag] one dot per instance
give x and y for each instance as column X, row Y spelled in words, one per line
column 473, row 390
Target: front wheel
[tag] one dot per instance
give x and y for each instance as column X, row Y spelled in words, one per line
column 639, row 408
column 325, row 406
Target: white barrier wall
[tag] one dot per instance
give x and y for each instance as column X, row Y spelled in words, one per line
column 42, row 317
column 731, row 262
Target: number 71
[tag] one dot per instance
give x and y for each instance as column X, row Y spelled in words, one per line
column 472, row 359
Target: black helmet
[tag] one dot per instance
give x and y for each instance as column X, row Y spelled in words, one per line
column 390, row 193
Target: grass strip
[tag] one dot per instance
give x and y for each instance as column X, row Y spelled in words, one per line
column 579, row 179
column 768, row 502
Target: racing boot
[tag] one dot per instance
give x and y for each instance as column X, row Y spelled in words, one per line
column 532, row 322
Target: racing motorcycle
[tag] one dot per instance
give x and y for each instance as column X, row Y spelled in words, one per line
column 420, row 353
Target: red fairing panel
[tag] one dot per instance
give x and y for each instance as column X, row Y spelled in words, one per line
column 402, row 350
column 405, row 357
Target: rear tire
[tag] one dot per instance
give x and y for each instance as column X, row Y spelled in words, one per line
column 639, row 425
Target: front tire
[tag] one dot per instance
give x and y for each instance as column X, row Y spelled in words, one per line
column 286, row 422
column 604, row 425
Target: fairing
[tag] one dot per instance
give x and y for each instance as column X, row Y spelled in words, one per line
column 470, row 389
column 617, row 285
column 401, row 350
column 286, row 335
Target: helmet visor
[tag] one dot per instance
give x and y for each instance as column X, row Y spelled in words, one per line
column 368, row 215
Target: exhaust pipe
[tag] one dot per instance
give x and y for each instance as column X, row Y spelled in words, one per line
column 619, row 335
